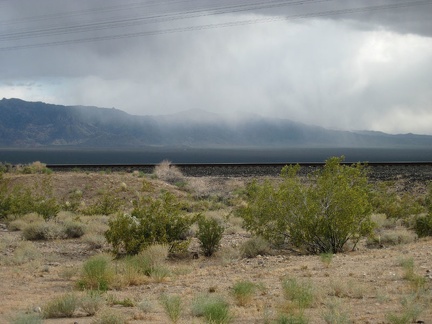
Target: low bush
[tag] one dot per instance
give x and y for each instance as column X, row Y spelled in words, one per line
column 392, row 237
column 209, row 235
column 110, row 317
column 152, row 221
column 92, row 302
column 291, row 319
column 63, row 306
column 254, row 246
column 43, row 231
column 74, row 229
column 96, row 274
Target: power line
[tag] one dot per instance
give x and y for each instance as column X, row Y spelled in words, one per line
column 223, row 25
column 128, row 22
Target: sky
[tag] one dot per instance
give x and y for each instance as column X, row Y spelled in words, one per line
column 341, row 64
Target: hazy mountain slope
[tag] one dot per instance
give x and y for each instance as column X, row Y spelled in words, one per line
column 32, row 124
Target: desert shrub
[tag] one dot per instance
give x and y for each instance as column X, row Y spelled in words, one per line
column 301, row 294
column 43, row 231
column 74, row 229
column 392, row 237
column 106, row 204
column 24, row 318
column 94, row 241
column 254, row 246
column 151, row 221
column 423, row 225
column 96, row 274
column 321, row 217
column 109, row 317
column 5, row 203
column 172, row 306
column 214, row 309
column 63, row 306
column 92, row 302
column 243, row 292
column 169, row 173
column 209, row 235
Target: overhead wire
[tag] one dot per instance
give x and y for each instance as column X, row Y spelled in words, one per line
column 128, row 22
column 317, row 14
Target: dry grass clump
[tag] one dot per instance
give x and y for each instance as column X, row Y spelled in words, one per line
column 243, row 292
column 346, row 289
column 43, row 231
column 63, row 306
column 169, row 173
column 97, row 273
column 25, row 252
column 396, row 236
column 109, row 316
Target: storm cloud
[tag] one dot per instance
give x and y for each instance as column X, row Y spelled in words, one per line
column 337, row 64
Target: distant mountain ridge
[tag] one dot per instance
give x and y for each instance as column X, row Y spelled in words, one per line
column 38, row 124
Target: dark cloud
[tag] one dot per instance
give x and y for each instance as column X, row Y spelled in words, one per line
column 358, row 70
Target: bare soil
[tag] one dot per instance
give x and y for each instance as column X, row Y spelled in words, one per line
column 367, row 283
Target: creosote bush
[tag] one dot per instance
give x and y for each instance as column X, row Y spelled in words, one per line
column 152, row 221
column 320, row 217
column 209, row 235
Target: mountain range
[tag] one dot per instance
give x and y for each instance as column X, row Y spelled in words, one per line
column 38, row 124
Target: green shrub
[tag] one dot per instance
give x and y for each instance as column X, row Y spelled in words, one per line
column 243, row 292
column 321, row 217
column 172, row 306
column 63, row 306
column 151, row 221
column 254, row 246
column 423, row 225
column 209, row 235
column 96, row 274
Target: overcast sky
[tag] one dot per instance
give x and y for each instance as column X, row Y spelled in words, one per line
column 339, row 64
